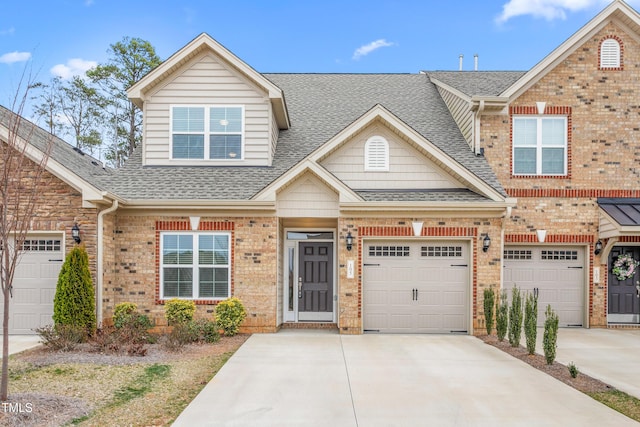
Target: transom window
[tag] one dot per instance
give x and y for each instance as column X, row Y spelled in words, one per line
column 610, row 54
column 195, row 265
column 441, row 251
column 392, row 251
column 540, row 145
column 212, row 132
column 376, row 154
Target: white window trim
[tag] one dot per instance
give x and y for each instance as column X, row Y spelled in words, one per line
column 207, row 131
column 368, row 158
column 539, row 145
column 195, row 264
column 613, row 58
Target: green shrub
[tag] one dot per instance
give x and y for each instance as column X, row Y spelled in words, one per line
column 61, row 337
column 502, row 313
column 179, row 311
column 229, row 315
column 531, row 321
column 515, row 317
column 550, row 337
column 205, row 330
column 122, row 312
column 74, row 302
column 489, row 302
column 573, row 370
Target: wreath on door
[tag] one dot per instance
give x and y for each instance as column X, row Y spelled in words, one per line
column 625, row 267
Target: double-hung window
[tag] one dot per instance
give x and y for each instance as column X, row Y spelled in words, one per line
column 540, row 145
column 195, row 265
column 207, row 132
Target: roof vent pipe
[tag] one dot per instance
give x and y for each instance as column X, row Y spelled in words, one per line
column 475, row 62
column 461, row 56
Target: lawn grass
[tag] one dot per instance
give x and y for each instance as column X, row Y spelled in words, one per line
column 619, row 401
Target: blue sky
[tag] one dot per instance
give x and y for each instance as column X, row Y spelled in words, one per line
column 65, row 37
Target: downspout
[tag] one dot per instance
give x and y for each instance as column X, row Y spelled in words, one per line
column 476, row 127
column 100, row 260
column 504, row 218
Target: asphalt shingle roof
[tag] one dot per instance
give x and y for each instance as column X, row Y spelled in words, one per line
column 83, row 165
column 320, row 106
column 478, row 83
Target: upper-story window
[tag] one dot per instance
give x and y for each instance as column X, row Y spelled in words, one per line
column 376, row 154
column 211, row 132
column 610, row 54
column 540, row 145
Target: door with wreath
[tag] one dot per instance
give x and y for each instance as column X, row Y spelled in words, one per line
column 624, row 285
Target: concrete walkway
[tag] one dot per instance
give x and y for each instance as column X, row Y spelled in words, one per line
column 18, row 343
column 610, row 355
column 296, row 378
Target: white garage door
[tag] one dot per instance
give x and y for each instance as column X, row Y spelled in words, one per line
column 34, row 284
column 556, row 273
column 416, row 287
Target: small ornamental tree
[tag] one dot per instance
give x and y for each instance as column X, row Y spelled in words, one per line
column 489, row 302
column 502, row 313
column 531, row 321
column 515, row 317
column 74, row 303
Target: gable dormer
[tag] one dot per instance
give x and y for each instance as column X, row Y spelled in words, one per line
column 205, row 107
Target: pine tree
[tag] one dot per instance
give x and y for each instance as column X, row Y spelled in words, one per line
column 74, row 303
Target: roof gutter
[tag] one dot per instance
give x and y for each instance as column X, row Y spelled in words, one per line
column 100, row 256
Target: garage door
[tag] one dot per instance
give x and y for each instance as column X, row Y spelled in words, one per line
column 34, row 284
column 556, row 273
column 416, row 287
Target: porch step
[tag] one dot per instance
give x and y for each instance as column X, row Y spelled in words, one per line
column 309, row 325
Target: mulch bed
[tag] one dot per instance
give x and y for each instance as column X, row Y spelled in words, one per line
column 582, row 382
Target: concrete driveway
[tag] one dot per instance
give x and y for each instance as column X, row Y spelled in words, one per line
column 296, row 378
column 611, row 355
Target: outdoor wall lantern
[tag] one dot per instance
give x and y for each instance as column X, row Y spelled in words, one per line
column 598, row 247
column 75, row 233
column 486, row 242
column 349, row 240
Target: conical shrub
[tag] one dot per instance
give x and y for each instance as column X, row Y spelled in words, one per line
column 74, row 303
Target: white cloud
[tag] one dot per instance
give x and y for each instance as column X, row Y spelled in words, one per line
column 368, row 48
column 11, row 57
column 8, row 31
column 73, row 67
column 547, row 9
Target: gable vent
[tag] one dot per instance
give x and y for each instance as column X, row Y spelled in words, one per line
column 610, row 54
column 376, row 154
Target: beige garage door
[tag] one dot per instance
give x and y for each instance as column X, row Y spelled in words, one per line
column 416, row 287
column 34, row 284
column 555, row 273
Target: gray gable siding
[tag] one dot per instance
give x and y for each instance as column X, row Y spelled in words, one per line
column 320, row 106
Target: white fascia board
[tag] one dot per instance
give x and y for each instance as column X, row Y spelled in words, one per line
column 569, row 46
column 269, row 193
column 450, row 209
column 451, row 89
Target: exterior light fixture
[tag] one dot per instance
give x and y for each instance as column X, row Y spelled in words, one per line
column 349, row 240
column 486, row 242
column 598, row 247
column 75, row 233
